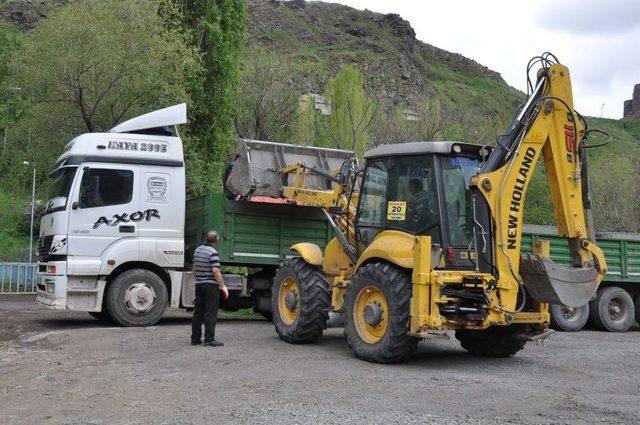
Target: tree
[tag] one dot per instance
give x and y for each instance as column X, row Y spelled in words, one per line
column 95, row 63
column 352, row 111
column 304, row 130
column 10, row 104
column 217, row 28
column 266, row 103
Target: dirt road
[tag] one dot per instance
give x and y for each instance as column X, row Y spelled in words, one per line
column 67, row 368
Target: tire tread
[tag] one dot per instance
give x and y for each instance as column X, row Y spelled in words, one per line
column 315, row 300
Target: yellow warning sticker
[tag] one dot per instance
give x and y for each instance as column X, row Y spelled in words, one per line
column 397, row 210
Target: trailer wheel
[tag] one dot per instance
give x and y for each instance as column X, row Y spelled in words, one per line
column 568, row 319
column 637, row 308
column 137, row 297
column 496, row 341
column 300, row 302
column 377, row 312
column 612, row 310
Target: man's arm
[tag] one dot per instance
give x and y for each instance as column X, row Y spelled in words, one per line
column 215, row 269
column 218, row 275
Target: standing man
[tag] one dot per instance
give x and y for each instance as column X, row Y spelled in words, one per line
column 209, row 284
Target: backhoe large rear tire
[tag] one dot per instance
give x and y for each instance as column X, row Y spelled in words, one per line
column 300, row 301
column 377, row 314
column 496, row 341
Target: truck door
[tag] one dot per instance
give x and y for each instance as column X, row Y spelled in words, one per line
column 162, row 199
column 104, row 210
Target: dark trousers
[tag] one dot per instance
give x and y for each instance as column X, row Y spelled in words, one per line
column 205, row 311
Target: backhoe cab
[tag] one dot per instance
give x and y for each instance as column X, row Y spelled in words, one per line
column 428, row 234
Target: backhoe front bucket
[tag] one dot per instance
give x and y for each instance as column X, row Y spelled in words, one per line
column 547, row 282
column 256, row 167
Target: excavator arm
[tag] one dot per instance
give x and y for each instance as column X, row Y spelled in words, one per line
column 546, row 125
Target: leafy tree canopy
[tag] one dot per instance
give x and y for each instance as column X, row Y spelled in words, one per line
column 96, row 63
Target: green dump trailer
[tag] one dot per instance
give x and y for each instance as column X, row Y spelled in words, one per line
column 253, row 238
column 256, row 236
column 617, row 303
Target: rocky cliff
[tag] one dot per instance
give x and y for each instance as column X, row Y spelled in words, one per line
column 321, row 37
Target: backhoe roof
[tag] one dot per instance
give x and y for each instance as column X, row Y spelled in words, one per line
column 417, row 148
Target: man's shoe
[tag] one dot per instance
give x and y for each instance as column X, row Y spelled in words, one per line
column 196, row 342
column 213, row 343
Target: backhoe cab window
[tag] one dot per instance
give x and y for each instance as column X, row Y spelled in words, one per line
column 456, row 174
column 400, row 193
column 102, row 187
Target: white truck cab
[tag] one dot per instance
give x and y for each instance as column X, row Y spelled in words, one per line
column 115, row 221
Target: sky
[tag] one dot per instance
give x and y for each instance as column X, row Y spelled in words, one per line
column 598, row 40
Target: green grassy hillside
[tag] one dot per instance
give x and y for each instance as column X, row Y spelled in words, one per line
column 399, row 70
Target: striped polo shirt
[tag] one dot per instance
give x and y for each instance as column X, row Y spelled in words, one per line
column 204, row 258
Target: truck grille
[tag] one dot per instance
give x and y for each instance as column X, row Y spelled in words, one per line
column 44, row 245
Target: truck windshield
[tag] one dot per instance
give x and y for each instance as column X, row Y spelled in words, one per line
column 62, row 180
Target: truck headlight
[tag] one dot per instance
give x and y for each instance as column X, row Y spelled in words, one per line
column 51, row 287
column 51, row 269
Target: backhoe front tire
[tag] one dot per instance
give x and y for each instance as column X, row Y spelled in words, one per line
column 496, row 341
column 377, row 314
column 300, row 301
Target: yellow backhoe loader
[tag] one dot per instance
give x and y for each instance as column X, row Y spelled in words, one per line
column 428, row 234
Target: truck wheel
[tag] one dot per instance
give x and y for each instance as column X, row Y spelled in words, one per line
column 137, row 297
column 300, row 302
column 637, row 308
column 377, row 313
column 568, row 319
column 496, row 341
column 612, row 310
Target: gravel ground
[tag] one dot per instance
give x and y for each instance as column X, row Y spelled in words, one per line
column 67, row 368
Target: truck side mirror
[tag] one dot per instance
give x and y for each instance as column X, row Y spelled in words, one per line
column 74, row 206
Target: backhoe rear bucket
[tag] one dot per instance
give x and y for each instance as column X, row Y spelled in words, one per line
column 257, row 165
column 547, row 282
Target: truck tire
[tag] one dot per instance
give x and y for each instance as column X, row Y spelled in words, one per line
column 137, row 297
column 377, row 312
column 496, row 341
column 612, row 310
column 568, row 319
column 637, row 307
column 300, row 301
